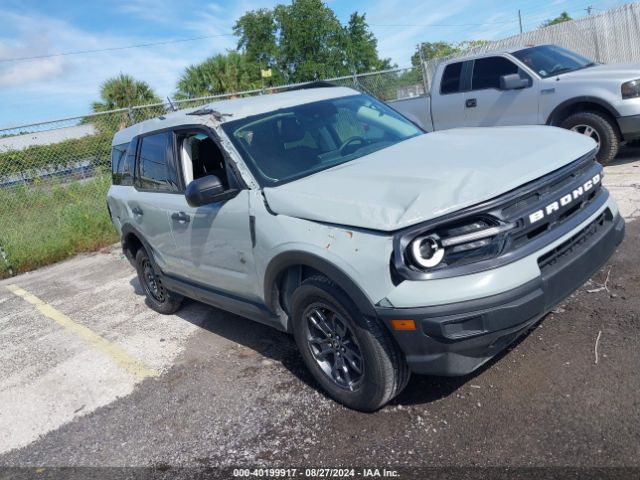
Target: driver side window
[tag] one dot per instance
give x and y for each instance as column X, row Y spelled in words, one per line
column 487, row 72
column 201, row 156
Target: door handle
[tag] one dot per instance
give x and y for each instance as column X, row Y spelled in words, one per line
column 181, row 217
column 471, row 102
column 137, row 211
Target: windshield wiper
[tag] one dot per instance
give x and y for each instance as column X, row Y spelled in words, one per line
column 562, row 70
column 592, row 64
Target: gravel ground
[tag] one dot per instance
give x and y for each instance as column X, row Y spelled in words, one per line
column 232, row 392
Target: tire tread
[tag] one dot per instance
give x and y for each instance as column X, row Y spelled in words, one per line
column 396, row 372
column 611, row 133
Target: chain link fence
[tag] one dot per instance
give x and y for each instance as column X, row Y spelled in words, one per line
column 54, row 175
column 609, row 37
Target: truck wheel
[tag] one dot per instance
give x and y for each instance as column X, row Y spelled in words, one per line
column 158, row 297
column 598, row 127
column 353, row 358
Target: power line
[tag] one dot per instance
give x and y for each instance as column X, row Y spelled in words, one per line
column 110, row 49
column 439, row 24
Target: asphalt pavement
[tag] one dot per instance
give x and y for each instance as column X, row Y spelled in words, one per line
column 90, row 376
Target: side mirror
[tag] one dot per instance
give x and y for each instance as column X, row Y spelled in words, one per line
column 204, row 191
column 513, row 81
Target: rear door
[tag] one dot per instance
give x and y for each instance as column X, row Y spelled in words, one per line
column 157, row 190
column 486, row 105
column 447, row 104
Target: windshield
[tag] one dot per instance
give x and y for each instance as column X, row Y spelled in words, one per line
column 548, row 60
column 294, row 142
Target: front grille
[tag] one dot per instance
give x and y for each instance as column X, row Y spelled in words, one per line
column 568, row 249
column 519, row 211
column 556, row 186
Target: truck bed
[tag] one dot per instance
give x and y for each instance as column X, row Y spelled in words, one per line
column 417, row 109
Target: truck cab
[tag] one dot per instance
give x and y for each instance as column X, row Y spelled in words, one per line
column 534, row 85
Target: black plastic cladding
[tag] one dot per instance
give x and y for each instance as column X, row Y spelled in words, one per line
column 513, row 206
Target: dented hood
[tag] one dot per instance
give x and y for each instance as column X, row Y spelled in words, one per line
column 428, row 176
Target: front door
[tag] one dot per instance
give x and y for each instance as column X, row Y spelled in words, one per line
column 212, row 241
column 487, row 106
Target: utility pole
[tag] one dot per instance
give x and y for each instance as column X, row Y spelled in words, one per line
column 423, row 67
column 595, row 34
column 520, row 21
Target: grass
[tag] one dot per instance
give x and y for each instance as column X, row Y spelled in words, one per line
column 46, row 224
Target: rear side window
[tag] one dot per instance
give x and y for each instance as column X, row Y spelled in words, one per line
column 118, row 156
column 487, row 72
column 156, row 166
column 451, row 78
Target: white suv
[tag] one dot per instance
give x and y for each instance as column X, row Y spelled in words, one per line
column 383, row 249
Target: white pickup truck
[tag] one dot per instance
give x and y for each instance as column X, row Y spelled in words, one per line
column 534, row 85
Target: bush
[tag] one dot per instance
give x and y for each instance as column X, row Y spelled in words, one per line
column 51, row 222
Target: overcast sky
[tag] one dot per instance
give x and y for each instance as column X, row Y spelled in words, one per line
column 59, row 86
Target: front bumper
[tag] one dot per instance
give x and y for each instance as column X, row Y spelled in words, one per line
column 455, row 339
column 629, row 127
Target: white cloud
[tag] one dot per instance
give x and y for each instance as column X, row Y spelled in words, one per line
column 68, row 84
column 26, row 73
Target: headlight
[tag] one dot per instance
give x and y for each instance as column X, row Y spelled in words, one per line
column 455, row 244
column 631, row 89
column 426, row 251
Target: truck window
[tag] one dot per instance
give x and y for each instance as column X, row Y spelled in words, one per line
column 451, row 78
column 156, row 170
column 487, row 72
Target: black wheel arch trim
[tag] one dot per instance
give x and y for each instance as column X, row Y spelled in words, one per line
column 554, row 119
column 282, row 261
column 128, row 229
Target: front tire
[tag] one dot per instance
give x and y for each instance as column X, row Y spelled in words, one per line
column 158, row 297
column 598, row 127
column 353, row 358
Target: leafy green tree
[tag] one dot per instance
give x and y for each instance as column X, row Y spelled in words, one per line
column 362, row 47
column 432, row 50
column 563, row 17
column 224, row 72
column 311, row 41
column 257, row 37
column 124, row 91
column 304, row 40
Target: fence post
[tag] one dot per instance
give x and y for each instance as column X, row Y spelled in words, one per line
column 594, row 32
column 423, row 67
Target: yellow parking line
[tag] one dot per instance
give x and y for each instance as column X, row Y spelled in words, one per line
column 113, row 351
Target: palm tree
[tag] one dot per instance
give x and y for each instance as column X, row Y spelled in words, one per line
column 124, row 91
column 222, row 73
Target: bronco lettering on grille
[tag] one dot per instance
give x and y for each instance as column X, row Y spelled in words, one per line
column 565, row 200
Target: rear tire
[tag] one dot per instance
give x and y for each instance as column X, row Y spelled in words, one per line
column 158, row 297
column 353, row 358
column 600, row 128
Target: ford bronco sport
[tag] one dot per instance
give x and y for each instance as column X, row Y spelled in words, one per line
column 385, row 250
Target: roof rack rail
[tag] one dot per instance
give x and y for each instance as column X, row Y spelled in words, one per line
column 315, row 84
column 209, row 111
